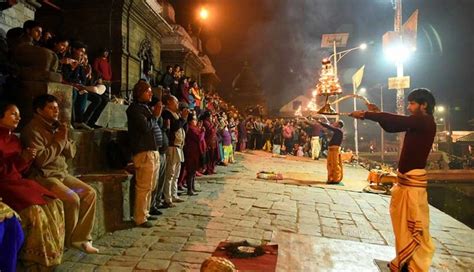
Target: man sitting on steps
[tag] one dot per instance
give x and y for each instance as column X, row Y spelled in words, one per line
column 50, row 138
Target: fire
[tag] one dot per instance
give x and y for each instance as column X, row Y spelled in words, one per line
column 312, row 106
column 299, row 112
column 328, row 81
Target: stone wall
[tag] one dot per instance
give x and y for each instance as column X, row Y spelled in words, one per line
column 137, row 33
column 17, row 15
column 96, row 165
column 113, row 201
column 31, row 89
column 94, row 154
column 140, row 25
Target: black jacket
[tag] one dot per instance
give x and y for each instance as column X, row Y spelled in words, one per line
column 164, row 130
column 175, row 125
column 141, row 128
column 167, row 80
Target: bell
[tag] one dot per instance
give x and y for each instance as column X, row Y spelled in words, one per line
column 327, row 110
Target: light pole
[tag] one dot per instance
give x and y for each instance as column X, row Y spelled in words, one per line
column 337, row 57
column 398, row 28
column 335, row 40
column 356, row 125
column 382, row 140
column 440, row 114
column 397, row 47
column 203, row 15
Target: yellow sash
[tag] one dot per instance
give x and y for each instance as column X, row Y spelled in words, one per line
column 409, row 212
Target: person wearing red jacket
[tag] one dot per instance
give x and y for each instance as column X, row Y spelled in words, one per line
column 103, row 69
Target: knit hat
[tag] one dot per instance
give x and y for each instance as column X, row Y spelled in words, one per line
column 139, row 88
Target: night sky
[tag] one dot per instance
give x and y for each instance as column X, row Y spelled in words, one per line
column 281, row 40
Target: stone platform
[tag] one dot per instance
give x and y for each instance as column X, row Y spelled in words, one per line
column 97, row 163
column 318, row 228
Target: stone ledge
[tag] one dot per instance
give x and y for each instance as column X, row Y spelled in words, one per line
column 113, row 202
column 92, row 147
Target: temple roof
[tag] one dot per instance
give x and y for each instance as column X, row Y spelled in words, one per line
column 246, row 80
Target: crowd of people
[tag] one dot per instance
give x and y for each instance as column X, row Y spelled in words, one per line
column 178, row 132
column 308, row 137
column 90, row 81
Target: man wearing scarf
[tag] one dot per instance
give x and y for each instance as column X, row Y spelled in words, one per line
column 175, row 120
column 409, row 204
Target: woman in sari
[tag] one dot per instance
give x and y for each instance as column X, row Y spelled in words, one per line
column 41, row 214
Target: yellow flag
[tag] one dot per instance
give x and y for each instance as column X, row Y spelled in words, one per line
column 410, row 29
column 357, row 77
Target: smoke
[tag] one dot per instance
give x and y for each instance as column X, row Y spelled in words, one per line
column 291, row 42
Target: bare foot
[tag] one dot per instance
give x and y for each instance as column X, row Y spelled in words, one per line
column 86, row 247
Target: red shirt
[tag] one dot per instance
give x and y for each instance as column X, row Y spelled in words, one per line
column 420, row 132
column 17, row 192
column 102, row 68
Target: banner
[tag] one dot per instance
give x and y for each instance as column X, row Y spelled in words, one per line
column 410, row 29
column 357, row 77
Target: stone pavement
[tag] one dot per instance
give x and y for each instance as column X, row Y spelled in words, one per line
column 317, row 228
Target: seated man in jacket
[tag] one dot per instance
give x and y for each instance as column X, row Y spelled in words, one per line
column 50, row 138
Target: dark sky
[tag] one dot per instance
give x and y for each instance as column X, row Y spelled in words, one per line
column 281, row 40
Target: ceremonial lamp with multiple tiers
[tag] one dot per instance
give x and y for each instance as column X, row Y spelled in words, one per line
column 329, row 86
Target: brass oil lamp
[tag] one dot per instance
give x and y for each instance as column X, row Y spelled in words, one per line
column 328, row 86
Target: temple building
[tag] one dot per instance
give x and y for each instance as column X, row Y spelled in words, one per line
column 246, row 89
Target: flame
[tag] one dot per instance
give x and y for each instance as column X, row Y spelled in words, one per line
column 312, row 106
column 328, row 81
column 298, row 112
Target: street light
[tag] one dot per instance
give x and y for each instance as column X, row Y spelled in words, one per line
column 339, row 55
column 362, row 91
column 203, row 13
column 440, row 109
column 398, row 53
